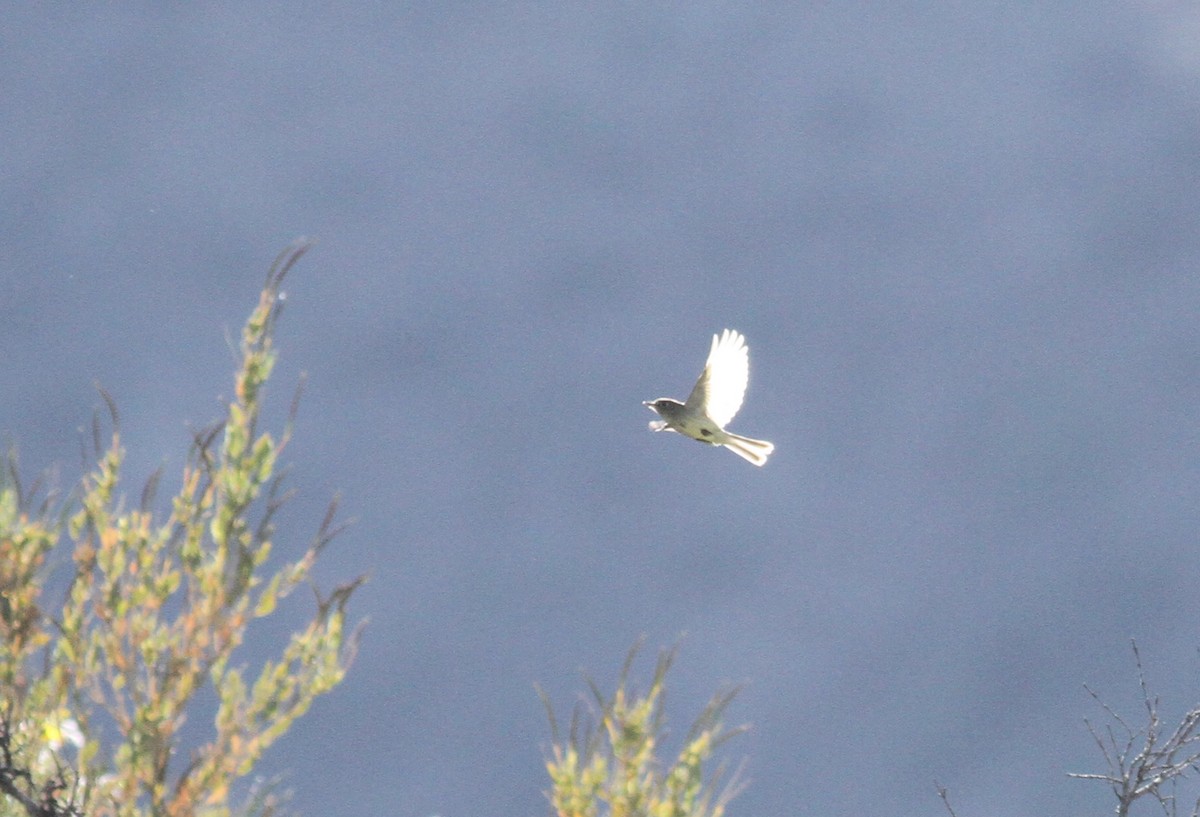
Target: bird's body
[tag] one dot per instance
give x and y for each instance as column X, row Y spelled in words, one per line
column 714, row 401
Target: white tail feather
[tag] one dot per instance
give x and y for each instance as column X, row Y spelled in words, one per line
column 753, row 451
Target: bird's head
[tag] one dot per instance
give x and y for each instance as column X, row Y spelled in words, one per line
column 663, row 405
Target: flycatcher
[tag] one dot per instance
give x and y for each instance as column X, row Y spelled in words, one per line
column 714, row 401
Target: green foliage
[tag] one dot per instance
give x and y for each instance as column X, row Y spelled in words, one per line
column 608, row 766
column 155, row 609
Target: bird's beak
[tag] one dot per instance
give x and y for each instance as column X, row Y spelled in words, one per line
column 648, row 404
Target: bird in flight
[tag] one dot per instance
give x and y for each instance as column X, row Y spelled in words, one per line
column 714, row 400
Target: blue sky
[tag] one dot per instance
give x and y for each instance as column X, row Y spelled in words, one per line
column 960, row 239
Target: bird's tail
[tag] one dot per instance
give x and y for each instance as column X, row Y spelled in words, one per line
column 755, row 451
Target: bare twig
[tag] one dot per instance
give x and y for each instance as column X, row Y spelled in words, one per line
column 945, row 795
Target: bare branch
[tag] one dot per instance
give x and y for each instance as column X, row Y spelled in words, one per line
column 1158, row 760
column 17, row 782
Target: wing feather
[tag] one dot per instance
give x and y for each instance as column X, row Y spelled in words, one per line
column 722, row 384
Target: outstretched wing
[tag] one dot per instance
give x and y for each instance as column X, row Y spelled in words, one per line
column 722, row 385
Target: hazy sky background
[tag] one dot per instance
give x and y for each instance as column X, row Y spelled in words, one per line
column 962, row 240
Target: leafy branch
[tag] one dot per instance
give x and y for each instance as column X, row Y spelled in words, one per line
column 156, row 608
column 608, row 763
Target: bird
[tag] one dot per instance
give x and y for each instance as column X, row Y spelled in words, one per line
column 714, row 400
